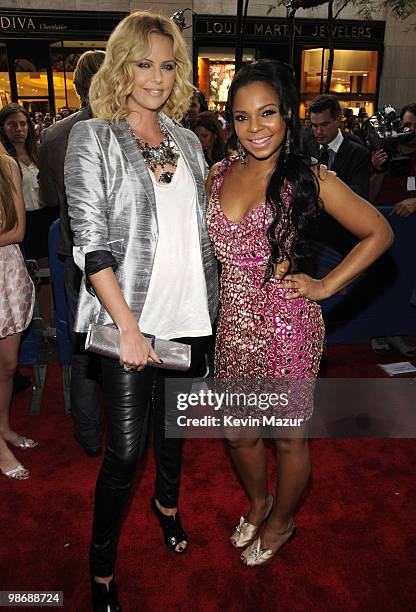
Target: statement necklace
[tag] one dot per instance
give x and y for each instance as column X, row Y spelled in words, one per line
column 165, row 154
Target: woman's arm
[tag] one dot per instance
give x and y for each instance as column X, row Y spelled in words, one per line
column 134, row 348
column 16, row 234
column 85, row 191
column 363, row 221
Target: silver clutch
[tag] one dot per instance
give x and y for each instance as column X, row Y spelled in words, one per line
column 105, row 340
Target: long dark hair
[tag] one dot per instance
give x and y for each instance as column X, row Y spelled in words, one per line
column 31, row 144
column 209, row 121
column 291, row 166
column 203, row 106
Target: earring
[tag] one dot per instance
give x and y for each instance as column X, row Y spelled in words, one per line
column 287, row 143
column 241, row 152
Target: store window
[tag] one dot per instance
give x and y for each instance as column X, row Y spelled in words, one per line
column 354, row 77
column 64, row 58
column 5, row 93
column 216, row 67
column 32, row 82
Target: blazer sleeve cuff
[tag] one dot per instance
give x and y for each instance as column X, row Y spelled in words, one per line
column 80, row 253
column 95, row 261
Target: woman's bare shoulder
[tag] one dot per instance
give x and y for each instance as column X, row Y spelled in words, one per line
column 214, row 169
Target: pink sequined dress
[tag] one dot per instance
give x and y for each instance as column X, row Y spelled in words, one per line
column 261, row 335
column 17, row 293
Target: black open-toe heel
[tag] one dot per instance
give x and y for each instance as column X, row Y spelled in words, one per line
column 104, row 599
column 173, row 532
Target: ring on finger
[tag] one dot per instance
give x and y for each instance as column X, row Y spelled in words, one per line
column 127, row 368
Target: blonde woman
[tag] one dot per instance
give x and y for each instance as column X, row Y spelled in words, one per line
column 135, row 187
column 16, row 306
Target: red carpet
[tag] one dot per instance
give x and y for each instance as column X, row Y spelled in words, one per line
column 355, row 548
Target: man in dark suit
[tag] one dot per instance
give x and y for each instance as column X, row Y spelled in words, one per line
column 343, row 154
column 85, row 390
column 340, row 152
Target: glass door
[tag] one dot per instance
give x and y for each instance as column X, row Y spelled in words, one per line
column 5, row 90
column 31, row 75
column 64, row 58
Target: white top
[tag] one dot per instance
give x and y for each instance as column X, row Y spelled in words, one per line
column 176, row 304
column 30, row 186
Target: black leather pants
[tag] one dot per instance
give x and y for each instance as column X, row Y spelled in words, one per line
column 128, row 399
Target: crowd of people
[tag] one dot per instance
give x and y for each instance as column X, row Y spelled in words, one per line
column 154, row 192
column 42, row 121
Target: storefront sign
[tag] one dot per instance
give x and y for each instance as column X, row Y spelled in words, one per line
column 305, row 29
column 317, row 31
column 16, row 23
column 43, row 22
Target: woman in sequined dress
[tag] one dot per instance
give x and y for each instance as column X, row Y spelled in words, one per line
column 262, row 207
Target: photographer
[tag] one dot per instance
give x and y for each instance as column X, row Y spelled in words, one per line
column 387, row 185
column 393, row 184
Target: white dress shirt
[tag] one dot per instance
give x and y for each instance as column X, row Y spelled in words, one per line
column 30, row 186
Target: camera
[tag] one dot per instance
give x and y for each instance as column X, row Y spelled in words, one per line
column 382, row 131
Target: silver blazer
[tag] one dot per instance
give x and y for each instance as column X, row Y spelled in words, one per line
column 112, row 207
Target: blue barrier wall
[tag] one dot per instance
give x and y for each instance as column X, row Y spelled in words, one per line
column 379, row 302
column 57, row 275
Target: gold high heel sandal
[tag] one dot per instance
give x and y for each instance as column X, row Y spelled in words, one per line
column 245, row 532
column 255, row 555
column 17, row 473
column 26, row 443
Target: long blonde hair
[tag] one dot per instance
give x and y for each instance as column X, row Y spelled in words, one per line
column 130, row 41
column 8, row 214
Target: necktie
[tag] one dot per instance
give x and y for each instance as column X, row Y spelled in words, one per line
column 324, row 156
column 327, row 156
